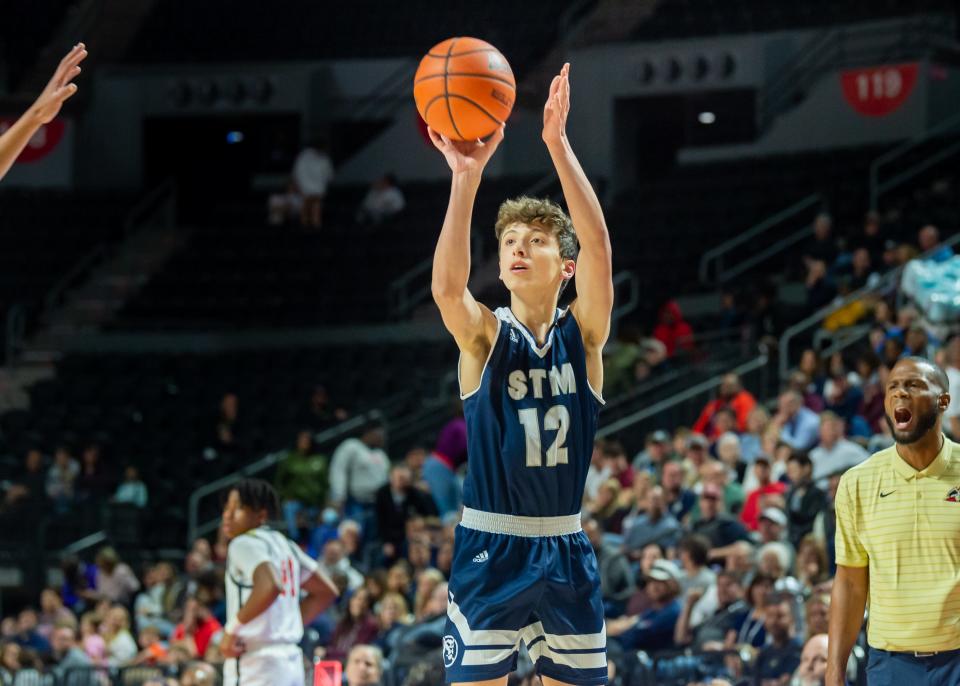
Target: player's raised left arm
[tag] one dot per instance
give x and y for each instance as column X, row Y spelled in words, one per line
column 44, row 109
column 594, row 269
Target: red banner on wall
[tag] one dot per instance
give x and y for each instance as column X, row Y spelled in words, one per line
column 878, row 91
column 44, row 141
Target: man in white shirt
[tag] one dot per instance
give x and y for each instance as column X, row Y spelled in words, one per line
column 382, row 201
column 835, row 453
column 311, row 175
column 266, row 577
column 358, row 469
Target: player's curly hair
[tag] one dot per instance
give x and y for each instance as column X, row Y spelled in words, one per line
column 543, row 213
column 257, row 494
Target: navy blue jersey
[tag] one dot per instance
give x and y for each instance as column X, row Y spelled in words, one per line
column 531, row 423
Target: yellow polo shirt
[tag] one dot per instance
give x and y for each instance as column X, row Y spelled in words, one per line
column 905, row 526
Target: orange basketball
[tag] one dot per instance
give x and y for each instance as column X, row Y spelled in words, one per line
column 464, row 88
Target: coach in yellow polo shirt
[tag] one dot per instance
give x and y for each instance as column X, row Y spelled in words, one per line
column 898, row 543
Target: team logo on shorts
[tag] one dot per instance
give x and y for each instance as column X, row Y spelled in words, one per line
column 450, row 650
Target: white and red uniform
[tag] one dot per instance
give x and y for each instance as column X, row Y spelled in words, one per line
column 272, row 655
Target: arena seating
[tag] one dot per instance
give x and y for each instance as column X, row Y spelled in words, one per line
column 44, row 233
column 221, row 30
column 688, row 18
column 237, row 272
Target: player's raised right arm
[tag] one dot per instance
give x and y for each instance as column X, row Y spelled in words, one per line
column 463, row 316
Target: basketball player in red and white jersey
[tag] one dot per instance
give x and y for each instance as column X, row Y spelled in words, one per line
column 273, row 589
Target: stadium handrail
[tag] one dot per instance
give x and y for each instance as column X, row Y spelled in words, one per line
column 887, row 281
column 195, row 529
column 16, row 327
column 878, row 187
column 717, row 253
column 624, row 422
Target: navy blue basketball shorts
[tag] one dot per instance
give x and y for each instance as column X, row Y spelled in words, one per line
column 524, row 579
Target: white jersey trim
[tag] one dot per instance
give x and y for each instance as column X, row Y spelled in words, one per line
column 541, row 351
column 496, row 339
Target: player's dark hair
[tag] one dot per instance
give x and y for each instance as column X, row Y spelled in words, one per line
column 939, row 376
column 257, row 494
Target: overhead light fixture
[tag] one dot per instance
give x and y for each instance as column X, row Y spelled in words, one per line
column 706, row 118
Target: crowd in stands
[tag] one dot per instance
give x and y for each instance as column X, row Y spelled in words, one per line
column 715, row 539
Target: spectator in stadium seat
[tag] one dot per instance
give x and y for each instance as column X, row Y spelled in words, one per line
column 822, row 246
column 11, row 661
column 64, row 652
column 395, row 503
column 862, row 273
column 781, row 656
column 693, row 551
column 199, row 627
column 311, row 175
column 364, row 666
column 799, row 426
column 678, row 500
column 653, row 629
column 61, row 478
column 834, row 451
column 928, row 238
column 825, row 524
column 804, row 499
column 616, row 576
column 751, row 438
column 730, row 612
column 771, row 526
column 148, row 608
column 132, row 491
column 753, row 630
column 53, row 613
column 606, row 507
column 715, row 472
column 728, row 454
column 731, row 394
column 91, row 641
column 813, row 662
column 640, row 600
column 440, row 468
column 870, row 238
column 654, row 455
column 820, row 287
column 301, row 483
column 620, row 468
column 29, row 488
column 383, row 201
column 115, row 629
column 648, row 519
column 717, row 526
column 358, row 469
column 357, row 626
column 27, row 635
column 94, row 483
column 766, row 486
column 846, row 400
column 812, row 566
column 695, row 457
column 334, row 559
column 116, row 582
column 321, row 413
column 672, row 330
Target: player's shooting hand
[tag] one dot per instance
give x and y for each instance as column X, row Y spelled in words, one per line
column 60, row 86
column 231, row 646
column 467, row 157
column 557, row 108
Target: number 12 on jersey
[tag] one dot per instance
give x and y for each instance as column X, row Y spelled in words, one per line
column 556, row 419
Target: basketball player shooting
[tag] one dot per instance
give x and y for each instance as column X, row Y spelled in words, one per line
column 530, row 377
column 266, row 574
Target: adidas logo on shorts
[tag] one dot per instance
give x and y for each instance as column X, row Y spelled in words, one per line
column 482, row 557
